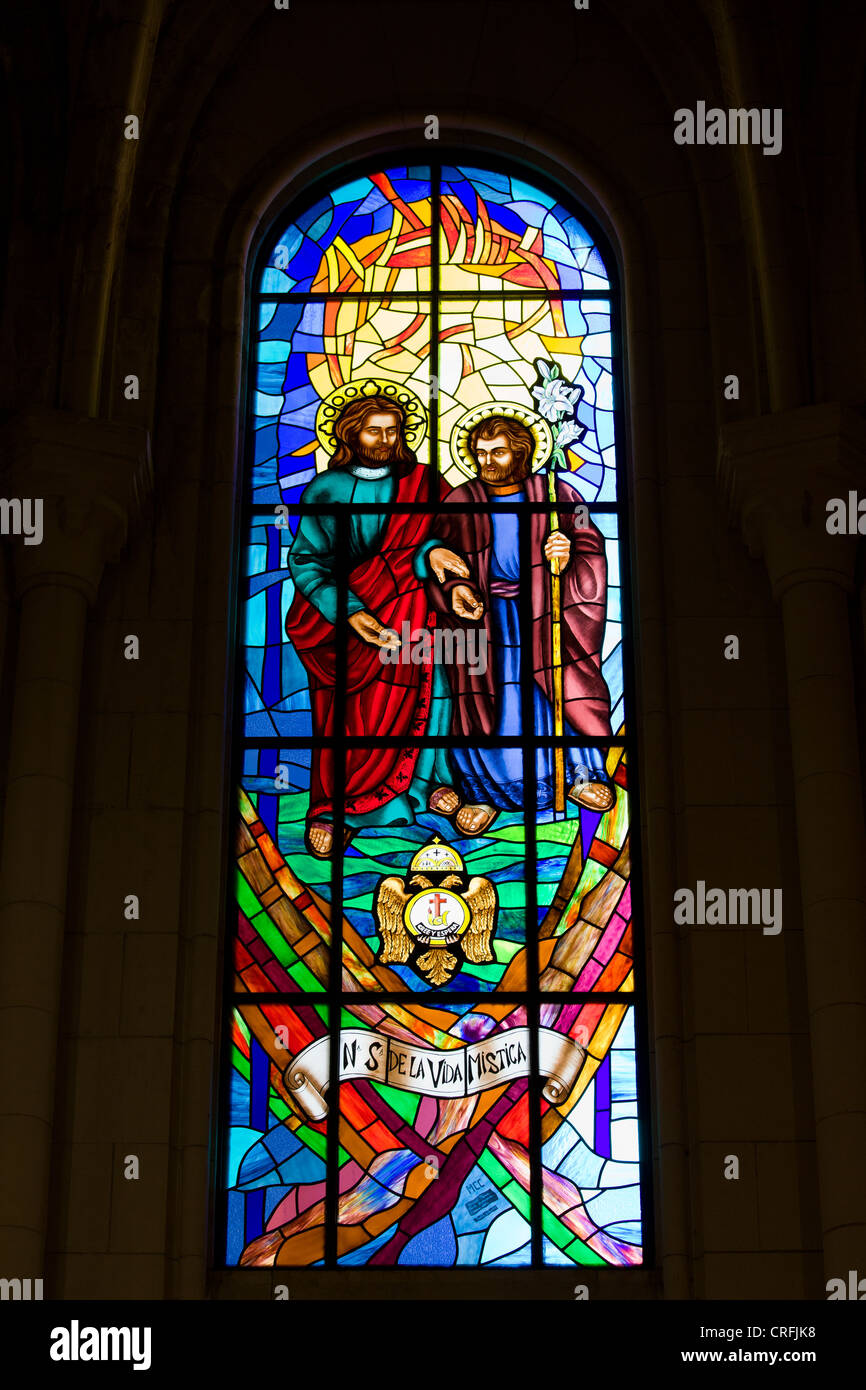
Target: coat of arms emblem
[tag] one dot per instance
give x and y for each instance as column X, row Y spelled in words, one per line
column 434, row 914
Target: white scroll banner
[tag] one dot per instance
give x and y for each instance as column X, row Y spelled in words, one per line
column 429, row 1071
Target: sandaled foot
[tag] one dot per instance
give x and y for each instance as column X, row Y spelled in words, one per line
column 474, row 820
column 595, row 796
column 320, row 838
column 444, row 801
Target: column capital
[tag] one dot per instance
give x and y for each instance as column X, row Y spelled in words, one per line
column 778, row 472
column 92, row 477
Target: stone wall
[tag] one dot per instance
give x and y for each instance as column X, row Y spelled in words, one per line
column 132, row 257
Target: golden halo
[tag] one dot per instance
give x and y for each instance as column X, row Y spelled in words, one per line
column 539, row 428
column 329, row 411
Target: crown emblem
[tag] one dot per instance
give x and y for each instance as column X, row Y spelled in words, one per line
column 436, row 858
column 436, row 925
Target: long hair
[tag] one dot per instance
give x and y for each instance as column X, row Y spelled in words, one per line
column 352, row 420
column 520, row 441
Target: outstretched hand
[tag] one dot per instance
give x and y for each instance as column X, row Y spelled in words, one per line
column 465, row 602
column 369, row 629
column 442, row 560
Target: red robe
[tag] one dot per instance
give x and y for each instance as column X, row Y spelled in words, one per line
column 583, row 586
column 385, row 699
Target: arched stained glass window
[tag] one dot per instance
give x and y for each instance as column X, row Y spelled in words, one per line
column 432, row 1054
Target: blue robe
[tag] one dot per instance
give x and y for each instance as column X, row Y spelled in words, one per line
column 495, row 775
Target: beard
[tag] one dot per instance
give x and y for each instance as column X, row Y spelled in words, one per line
column 502, row 473
column 382, row 453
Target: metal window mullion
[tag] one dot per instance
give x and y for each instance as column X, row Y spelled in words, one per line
column 332, row 1188
column 530, row 859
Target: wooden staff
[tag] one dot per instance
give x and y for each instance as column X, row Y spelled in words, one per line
column 556, row 612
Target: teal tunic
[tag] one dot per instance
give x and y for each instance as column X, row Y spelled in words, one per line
column 312, row 564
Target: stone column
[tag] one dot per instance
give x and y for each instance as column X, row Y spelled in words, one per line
column 779, row 471
column 89, row 474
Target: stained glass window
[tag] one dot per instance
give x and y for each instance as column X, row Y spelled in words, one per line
column 435, row 1022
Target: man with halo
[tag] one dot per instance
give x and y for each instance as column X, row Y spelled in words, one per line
column 368, row 428
column 498, row 442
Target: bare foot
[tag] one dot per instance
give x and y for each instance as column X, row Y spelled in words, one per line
column 321, row 838
column 474, row 820
column 444, row 801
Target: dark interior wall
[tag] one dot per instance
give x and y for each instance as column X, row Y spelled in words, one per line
column 130, row 257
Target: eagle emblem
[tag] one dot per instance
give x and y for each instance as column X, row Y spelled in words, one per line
column 434, row 914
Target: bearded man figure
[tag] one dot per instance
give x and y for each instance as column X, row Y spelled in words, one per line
column 387, row 560
column 492, row 779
